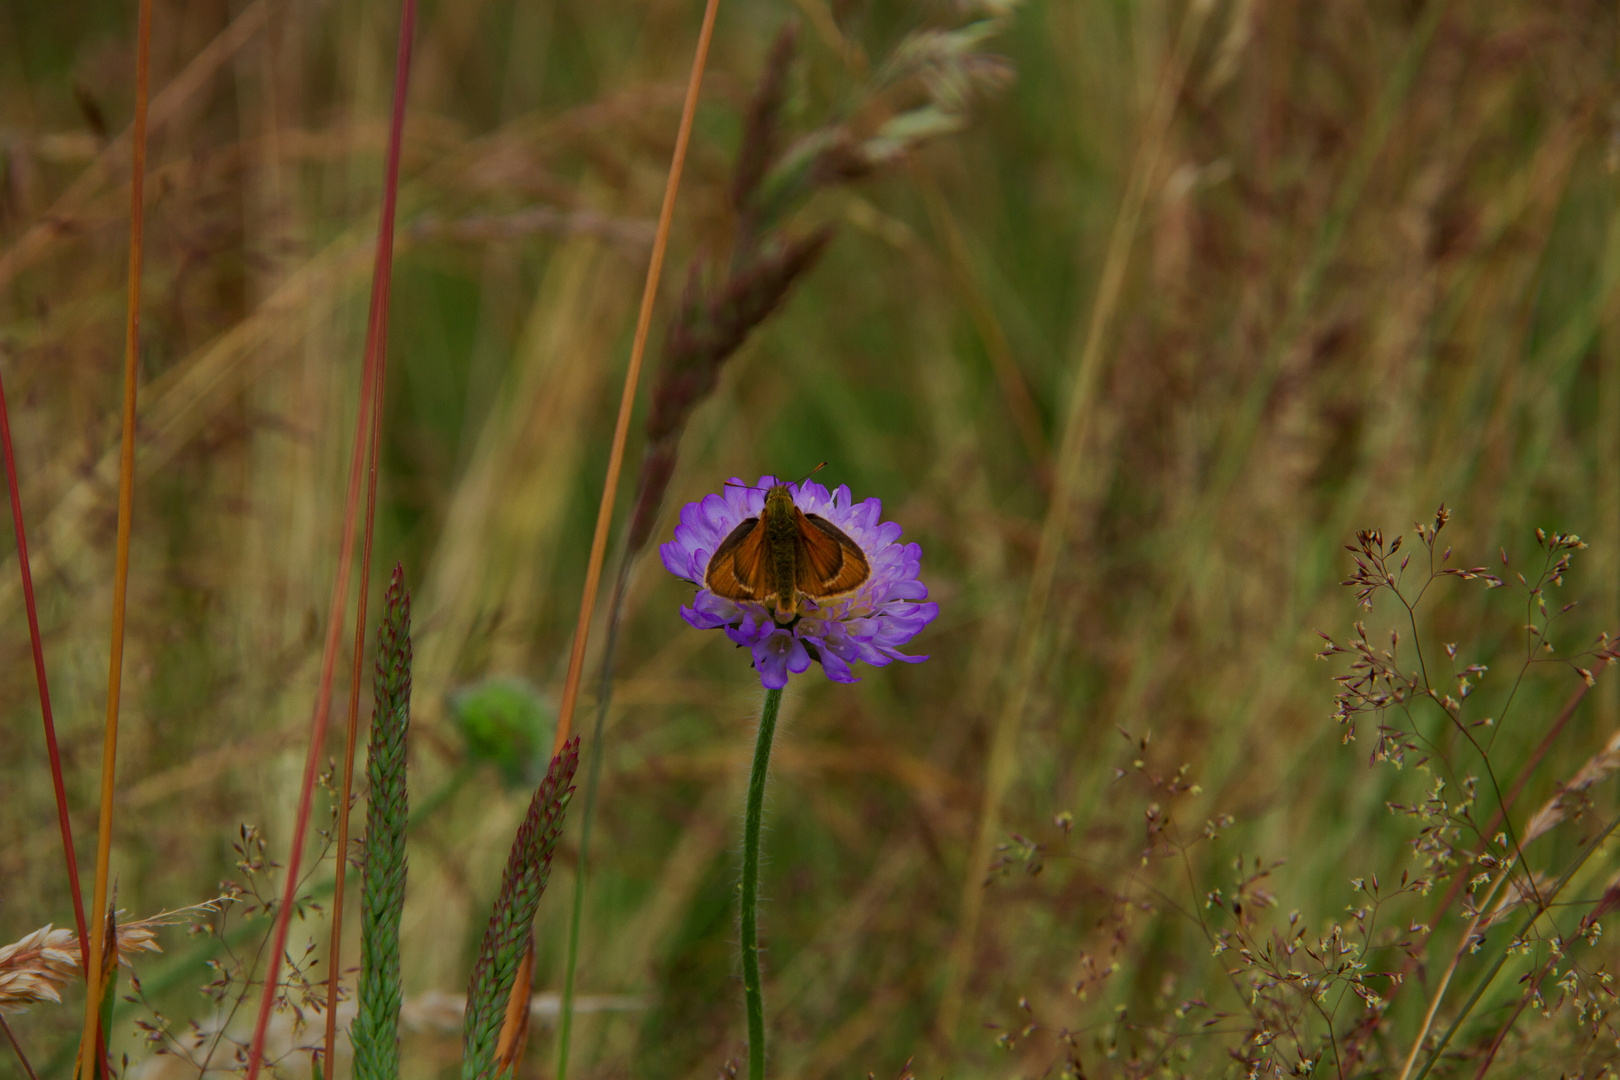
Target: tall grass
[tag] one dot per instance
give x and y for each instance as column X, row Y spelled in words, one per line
column 1362, row 260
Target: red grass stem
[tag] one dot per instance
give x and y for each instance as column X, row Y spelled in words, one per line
column 376, row 356
column 91, row 1046
column 364, row 435
column 68, row 852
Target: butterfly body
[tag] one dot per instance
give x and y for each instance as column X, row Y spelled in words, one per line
column 785, row 554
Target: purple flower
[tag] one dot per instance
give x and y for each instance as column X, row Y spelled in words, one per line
column 870, row 624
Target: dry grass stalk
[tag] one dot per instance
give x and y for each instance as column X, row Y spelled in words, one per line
column 610, row 484
column 93, row 1039
column 638, row 348
column 1080, row 419
column 376, row 356
column 366, row 421
column 1569, row 800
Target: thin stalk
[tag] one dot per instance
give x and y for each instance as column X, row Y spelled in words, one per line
column 1077, row 427
column 90, row 1046
column 62, row 819
column 752, row 994
column 1451, row 969
column 632, row 375
column 565, row 1025
column 1496, row 1043
column 1502, row 957
column 1526, row 770
column 369, row 378
column 376, row 358
column 17, row 1046
column 604, row 518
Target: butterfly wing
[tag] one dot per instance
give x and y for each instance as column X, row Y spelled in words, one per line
column 830, row 562
column 737, row 568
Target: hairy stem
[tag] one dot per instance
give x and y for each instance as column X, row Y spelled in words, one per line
column 750, row 886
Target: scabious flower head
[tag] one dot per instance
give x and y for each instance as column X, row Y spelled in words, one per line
column 869, row 625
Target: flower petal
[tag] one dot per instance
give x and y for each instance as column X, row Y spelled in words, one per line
column 871, row 625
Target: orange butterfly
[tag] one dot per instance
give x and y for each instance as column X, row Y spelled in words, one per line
column 783, row 554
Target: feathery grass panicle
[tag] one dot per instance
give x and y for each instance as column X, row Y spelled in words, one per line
column 707, row 327
column 506, row 940
column 34, row 968
column 762, row 132
column 375, row 1032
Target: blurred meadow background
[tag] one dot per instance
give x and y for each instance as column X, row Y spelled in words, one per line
column 1200, row 291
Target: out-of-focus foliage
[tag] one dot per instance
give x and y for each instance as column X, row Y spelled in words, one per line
column 1367, row 263
column 505, row 722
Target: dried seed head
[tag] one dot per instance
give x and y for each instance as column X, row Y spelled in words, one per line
column 33, row 968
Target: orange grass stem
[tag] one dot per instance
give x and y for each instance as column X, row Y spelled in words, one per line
column 610, row 485
column 376, row 358
column 62, row 819
column 90, row 1046
column 365, row 435
column 621, row 429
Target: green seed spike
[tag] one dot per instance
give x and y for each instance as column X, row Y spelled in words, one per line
column 507, row 937
column 375, row 1033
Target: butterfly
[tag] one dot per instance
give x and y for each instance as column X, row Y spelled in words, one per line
column 783, row 554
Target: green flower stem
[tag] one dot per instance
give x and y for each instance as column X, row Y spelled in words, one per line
column 750, row 886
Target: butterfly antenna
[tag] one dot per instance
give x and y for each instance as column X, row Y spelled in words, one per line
column 751, row 487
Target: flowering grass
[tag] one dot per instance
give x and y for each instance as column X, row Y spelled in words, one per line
column 1367, row 268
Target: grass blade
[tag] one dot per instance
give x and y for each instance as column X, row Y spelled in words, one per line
column 627, row 400
column 610, row 484
column 370, row 380
column 376, row 357
column 1082, row 405
column 62, row 819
